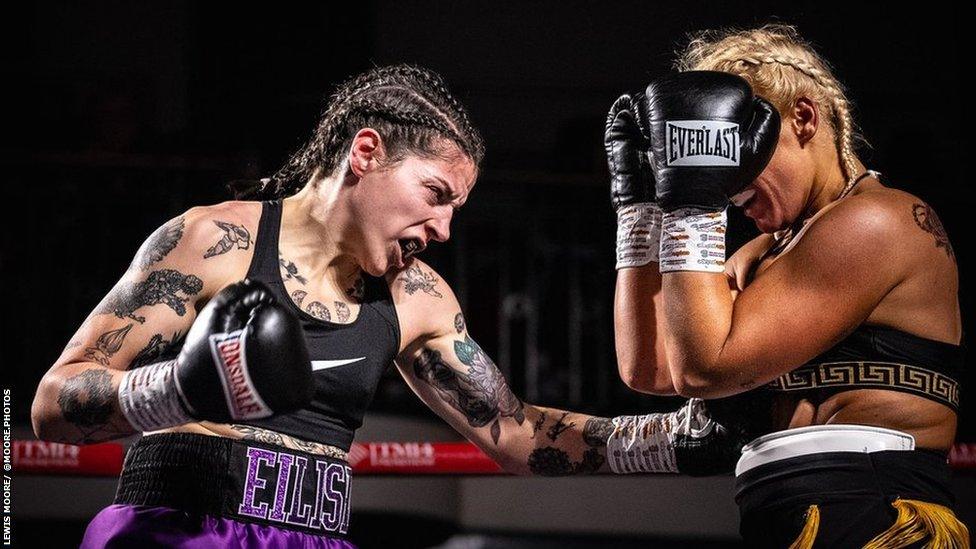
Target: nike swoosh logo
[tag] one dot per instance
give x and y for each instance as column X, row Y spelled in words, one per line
column 325, row 364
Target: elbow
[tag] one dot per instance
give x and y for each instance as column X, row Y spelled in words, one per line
column 647, row 382
column 45, row 421
column 645, row 376
column 695, row 381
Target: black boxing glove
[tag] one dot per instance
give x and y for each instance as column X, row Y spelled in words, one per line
column 632, row 184
column 687, row 441
column 244, row 358
column 710, row 137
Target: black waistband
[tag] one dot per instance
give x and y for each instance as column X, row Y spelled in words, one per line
column 241, row 480
column 918, row 474
column 847, row 375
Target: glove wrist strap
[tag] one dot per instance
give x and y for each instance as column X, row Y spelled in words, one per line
column 693, row 239
column 638, row 234
column 150, row 399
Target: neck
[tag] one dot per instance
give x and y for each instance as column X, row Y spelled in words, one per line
column 315, row 229
column 827, row 186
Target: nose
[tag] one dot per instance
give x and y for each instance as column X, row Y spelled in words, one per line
column 439, row 228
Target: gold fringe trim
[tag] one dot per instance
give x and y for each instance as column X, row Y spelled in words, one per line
column 809, row 532
column 917, row 521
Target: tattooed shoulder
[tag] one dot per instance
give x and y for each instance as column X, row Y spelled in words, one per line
column 160, row 243
column 416, row 279
column 233, row 237
column 928, row 221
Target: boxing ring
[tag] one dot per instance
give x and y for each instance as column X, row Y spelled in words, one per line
column 449, row 481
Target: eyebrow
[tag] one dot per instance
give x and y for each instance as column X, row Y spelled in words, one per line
column 450, row 188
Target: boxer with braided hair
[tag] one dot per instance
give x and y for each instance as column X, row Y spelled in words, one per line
column 842, row 318
column 248, row 425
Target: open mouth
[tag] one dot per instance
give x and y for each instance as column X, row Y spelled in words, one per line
column 410, row 247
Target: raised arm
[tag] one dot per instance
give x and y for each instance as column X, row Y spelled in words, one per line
column 459, row 381
column 637, row 305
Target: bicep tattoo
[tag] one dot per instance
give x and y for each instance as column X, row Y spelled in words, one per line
column 480, row 393
column 168, row 287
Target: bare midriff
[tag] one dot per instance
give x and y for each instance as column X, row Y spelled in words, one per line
column 932, row 424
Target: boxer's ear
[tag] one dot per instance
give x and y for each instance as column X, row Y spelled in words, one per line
column 804, row 119
column 366, row 152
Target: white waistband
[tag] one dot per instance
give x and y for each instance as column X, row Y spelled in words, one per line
column 820, row 439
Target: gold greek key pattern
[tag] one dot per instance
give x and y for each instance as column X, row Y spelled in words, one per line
column 890, row 375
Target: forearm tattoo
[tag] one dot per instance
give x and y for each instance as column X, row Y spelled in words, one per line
column 459, row 323
column 480, row 393
column 537, row 426
column 250, row 432
column 415, row 279
column 158, row 349
column 290, row 271
column 553, row 462
column 557, row 428
column 596, row 431
column 107, row 345
column 87, row 401
column 168, row 287
column 159, row 244
column 928, row 221
column 235, row 236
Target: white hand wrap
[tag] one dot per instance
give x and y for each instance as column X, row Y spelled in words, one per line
column 693, row 240
column 149, row 398
column 645, row 444
column 638, row 234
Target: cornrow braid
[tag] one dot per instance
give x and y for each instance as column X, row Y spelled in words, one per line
column 410, row 107
column 799, row 70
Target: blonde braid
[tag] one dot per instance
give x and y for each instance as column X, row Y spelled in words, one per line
column 839, row 107
column 777, row 46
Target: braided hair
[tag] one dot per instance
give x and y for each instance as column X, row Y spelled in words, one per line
column 410, row 107
column 780, row 66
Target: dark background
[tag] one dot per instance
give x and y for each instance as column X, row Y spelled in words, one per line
column 120, row 115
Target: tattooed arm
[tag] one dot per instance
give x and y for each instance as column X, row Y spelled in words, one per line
column 453, row 375
column 142, row 320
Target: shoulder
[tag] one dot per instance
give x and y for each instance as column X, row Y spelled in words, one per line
column 425, row 303
column 209, row 241
column 884, row 218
